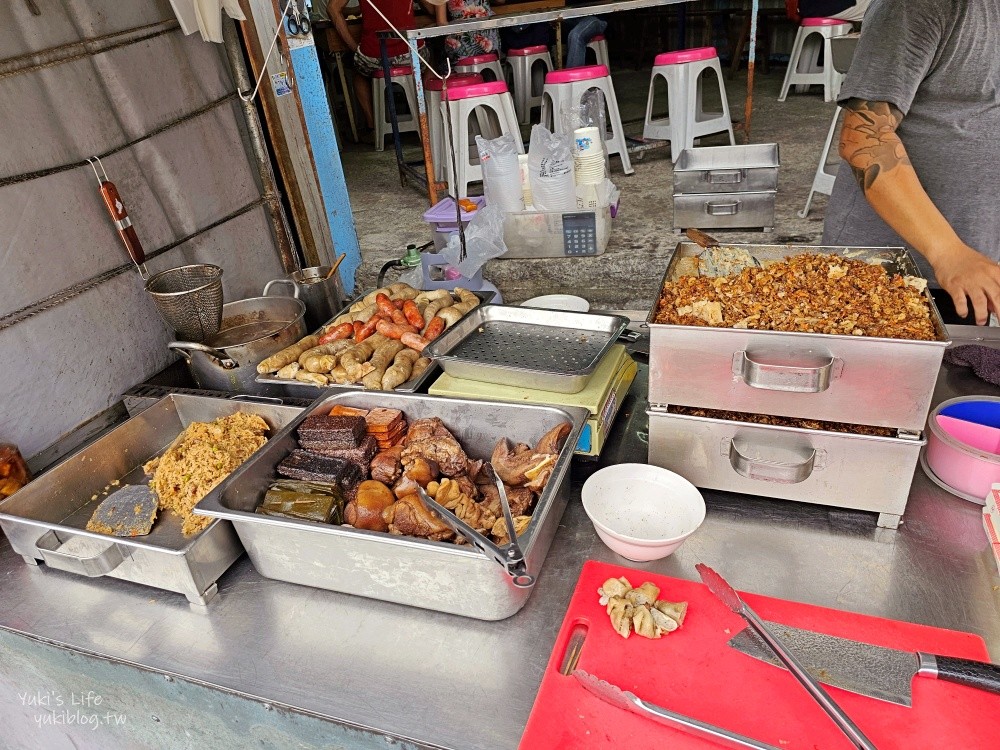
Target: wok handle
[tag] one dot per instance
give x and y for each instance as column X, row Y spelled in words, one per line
column 974, row 674
column 807, row 377
column 272, row 282
column 186, row 347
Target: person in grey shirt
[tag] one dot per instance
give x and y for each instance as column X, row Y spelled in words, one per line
column 921, row 144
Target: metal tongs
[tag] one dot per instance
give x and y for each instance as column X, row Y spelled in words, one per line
column 509, row 557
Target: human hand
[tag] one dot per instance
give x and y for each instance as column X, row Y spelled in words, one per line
column 970, row 276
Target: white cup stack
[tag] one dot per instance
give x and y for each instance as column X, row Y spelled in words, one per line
column 588, row 154
column 502, row 174
column 522, row 163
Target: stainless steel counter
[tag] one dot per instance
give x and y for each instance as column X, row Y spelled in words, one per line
column 444, row 681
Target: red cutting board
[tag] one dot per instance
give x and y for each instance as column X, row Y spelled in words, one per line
column 693, row 671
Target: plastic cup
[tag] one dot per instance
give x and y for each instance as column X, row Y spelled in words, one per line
column 587, row 140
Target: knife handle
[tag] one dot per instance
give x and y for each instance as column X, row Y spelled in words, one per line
column 974, row 674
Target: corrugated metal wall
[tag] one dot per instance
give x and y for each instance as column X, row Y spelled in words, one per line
column 122, row 90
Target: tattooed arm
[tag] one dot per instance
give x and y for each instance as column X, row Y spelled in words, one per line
column 870, row 144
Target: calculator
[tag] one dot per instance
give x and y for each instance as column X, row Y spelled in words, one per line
column 580, row 233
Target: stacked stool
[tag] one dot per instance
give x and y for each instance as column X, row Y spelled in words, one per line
column 435, row 122
column 686, row 119
column 524, row 63
column 402, row 76
column 488, row 66
column 565, row 88
column 804, row 70
column 480, row 100
column 600, row 47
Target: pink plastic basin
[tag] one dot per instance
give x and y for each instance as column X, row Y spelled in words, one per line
column 476, row 89
column 583, row 73
column 538, row 49
column 695, row 54
column 478, row 60
column 396, row 72
column 461, row 79
column 823, row 22
column 978, row 436
column 963, row 455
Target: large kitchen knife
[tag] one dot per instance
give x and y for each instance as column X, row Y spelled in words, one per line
column 875, row 671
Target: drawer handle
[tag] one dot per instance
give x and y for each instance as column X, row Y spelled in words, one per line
column 91, row 566
column 720, row 208
column 779, row 472
column 725, row 176
column 796, row 378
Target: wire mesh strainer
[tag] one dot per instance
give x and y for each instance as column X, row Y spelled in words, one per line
column 189, row 298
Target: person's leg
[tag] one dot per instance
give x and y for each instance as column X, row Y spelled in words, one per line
column 364, row 68
column 581, row 31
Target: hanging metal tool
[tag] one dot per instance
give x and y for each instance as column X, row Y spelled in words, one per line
column 119, row 216
column 296, row 21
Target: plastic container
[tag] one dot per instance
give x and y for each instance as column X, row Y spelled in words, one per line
column 642, row 512
column 442, row 219
column 543, row 234
column 962, row 441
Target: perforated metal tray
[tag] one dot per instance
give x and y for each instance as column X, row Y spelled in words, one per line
column 550, row 350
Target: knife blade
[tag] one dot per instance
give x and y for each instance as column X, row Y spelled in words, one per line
column 629, row 702
column 728, row 596
column 873, row 671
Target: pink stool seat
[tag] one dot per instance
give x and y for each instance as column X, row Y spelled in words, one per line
column 461, row 79
column 823, row 22
column 597, row 38
column 538, row 49
column 583, row 73
column 399, row 70
column 476, row 89
column 696, row 54
column 479, row 59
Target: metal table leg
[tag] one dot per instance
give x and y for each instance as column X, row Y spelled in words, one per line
column 390, row 97
column 421, row 113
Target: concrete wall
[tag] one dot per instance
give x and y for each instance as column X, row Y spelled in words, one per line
column 61, row 100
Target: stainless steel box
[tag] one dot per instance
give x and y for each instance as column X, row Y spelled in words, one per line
column 856, row 379
column 434, row 575
column 724, row 211
column 727, row 169
column 53, row 510
column 826, row 468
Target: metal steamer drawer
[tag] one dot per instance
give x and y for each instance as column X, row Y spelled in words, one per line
column 827, row 468
column 854, row 379
column 724, row 211
column 727, row 169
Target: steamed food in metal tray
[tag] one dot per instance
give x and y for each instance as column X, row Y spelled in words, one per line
column 806, row 293
column 379, row 458
column 768, row 419
column 378, row 342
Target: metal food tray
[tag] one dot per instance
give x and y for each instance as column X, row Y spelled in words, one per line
column 438, row 576
column 311, row 390
column 54, row 509
column 829, row 377
column 547, row 350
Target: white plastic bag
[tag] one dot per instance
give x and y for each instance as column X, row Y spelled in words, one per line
column 551, row 171
column 483, row 241
column 501, row 173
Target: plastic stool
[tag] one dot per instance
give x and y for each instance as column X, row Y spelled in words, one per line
column 401, row 76
column 435, row 122
column 600, row 47
column 686, row 119
column 813, row 37
column 488, row 66
column 524, row 63
column 565, row 89
column 823, row 179
column 481, row 100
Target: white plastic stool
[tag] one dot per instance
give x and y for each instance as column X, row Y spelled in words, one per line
column 488, row 66
column 524, row 64
column 804, row 70
column 481, row 100
column 600, row 47
column 435, row 121
column 823, row 179
column 401, row 76
column 565, row 89
column 686, row 119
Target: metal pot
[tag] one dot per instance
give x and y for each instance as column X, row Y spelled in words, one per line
column 252, row 330
column 324, row 297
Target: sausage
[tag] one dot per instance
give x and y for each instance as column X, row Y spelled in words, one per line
column 414, row 341
column 368, row 328
column 394, row 330
column 358, row 325
column 388, row 310
column 413, row 315
column 287, row 355
column 398, row 303
column 434, row 329
column 342, row 331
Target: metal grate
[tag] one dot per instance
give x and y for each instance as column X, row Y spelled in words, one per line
column 565, row 351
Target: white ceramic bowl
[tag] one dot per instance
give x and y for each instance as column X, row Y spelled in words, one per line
column 642, row 512
column 568, row 302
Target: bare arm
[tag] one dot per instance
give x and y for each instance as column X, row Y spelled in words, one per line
column 870, row 144
column 335, row 8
